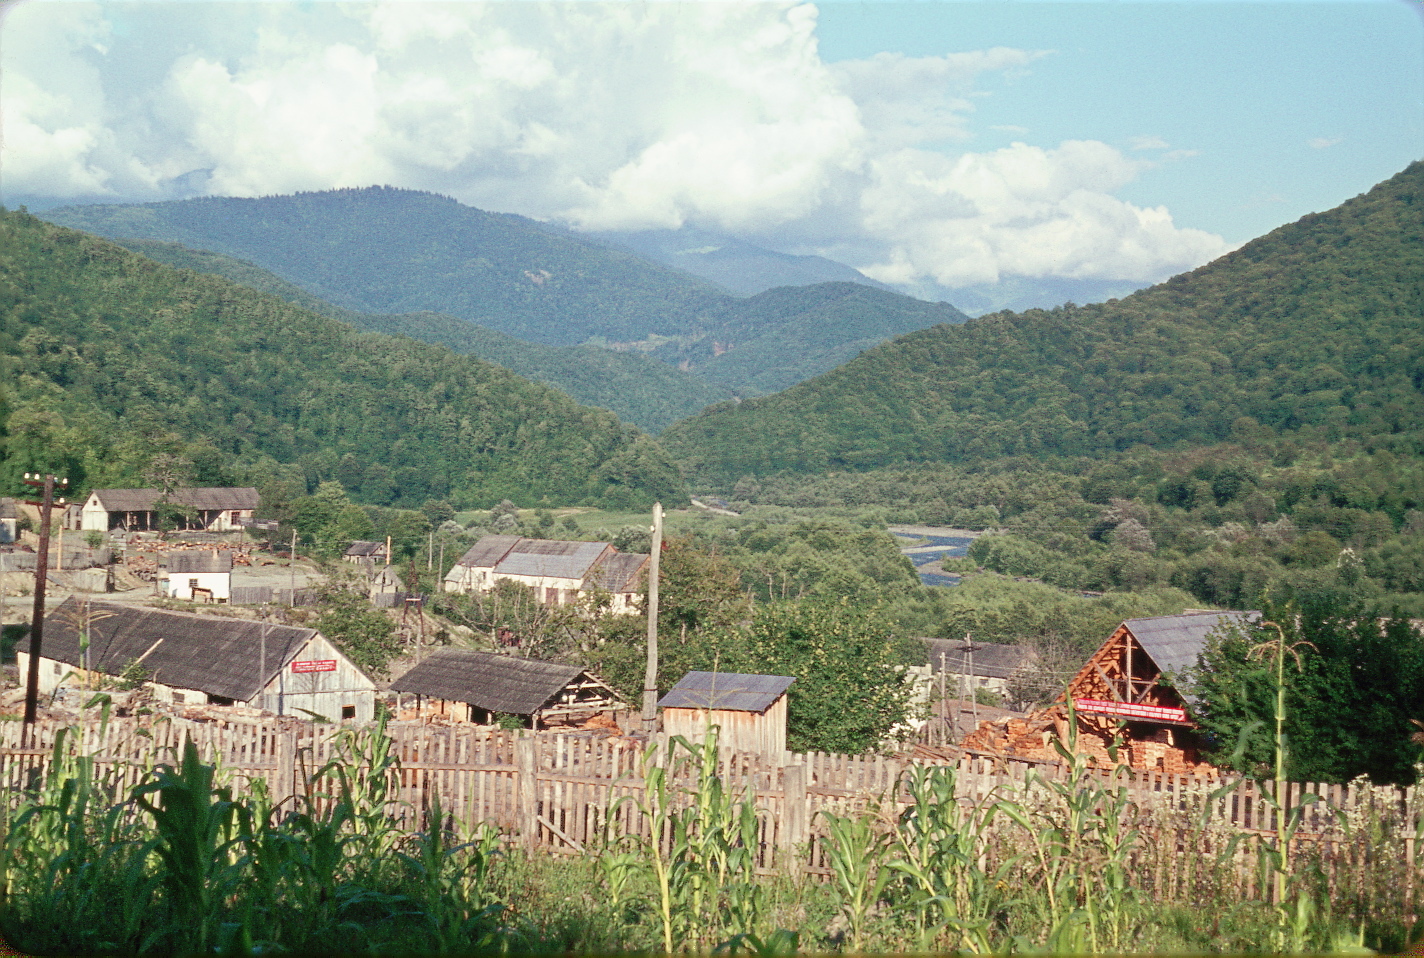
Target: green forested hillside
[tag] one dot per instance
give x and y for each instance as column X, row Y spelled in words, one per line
column 112, row 358
column 1315, row 331
column 387, row 251
column 645, row 392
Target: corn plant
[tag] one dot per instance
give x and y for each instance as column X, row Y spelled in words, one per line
column 857, row 851
column 197, row 834
column 939, row 852
column 451, row 883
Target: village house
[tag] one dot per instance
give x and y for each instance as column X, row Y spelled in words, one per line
column 970, row 666
column 463, row 685
column 1126, row 693
column 369, row 553
column 749, row 710
column 197, row 575
column 559, row 572
column 190, row 659
column 214, row 509
column 9, row 520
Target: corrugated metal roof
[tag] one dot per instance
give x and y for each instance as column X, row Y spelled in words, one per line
column 220, row 656
column 495, row 683
column 547, row 557
column 991, row 660
column 204, row 498
column 1175, row 641
column 617, row 572
column 486, row 553
column 198, row 561
column 730, row 691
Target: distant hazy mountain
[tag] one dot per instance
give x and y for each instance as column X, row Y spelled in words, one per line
column 1312, row 331
column 388, row 252
column 738, row 266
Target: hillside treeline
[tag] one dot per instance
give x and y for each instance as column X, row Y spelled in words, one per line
column 1312, row 331
column 113, row 359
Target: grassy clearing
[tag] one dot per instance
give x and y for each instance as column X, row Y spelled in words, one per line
column 182, row 865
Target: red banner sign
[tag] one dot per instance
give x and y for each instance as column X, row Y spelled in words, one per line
column 1153, row 713
column 315, row 665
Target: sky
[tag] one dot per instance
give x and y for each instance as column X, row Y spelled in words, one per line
column 933, row 145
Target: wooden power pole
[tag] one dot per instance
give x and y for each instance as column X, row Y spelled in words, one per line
column 32, row 680
column 650, row 679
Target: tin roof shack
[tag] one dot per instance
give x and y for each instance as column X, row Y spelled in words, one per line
column 749, row 709
column 1122, row 682
column 559, row 571
column 197, row 576
column 463, row 685
column 213, row 508
column 197, row 659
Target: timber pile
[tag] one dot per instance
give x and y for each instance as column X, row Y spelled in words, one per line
column 1032, row 737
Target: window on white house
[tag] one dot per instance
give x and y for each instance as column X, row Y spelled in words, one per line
column 348, row 711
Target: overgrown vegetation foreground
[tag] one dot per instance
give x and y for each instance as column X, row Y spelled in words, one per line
column 183, row 864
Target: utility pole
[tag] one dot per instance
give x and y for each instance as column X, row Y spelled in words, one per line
column 292, row 571
column 32, row 681
column 650, row 679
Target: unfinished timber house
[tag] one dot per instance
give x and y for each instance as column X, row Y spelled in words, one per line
column 1125, row 696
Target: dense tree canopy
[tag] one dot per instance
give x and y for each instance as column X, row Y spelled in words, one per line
column 1354, row 694
column 112, row 358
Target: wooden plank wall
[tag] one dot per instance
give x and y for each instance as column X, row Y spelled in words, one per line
column 573, row 792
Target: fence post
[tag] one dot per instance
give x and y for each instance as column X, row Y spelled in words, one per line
column 793, row 803
column 286, row 784
column 525, row 759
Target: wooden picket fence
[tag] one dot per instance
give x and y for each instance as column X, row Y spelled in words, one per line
column 571, row 792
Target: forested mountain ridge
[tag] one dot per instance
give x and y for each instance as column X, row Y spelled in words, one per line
column 1316, row 329
column 388, row 251
column 113, row 358
column 642, row 391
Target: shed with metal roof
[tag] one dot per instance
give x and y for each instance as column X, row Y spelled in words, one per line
column 749, row 710
column 470, row 686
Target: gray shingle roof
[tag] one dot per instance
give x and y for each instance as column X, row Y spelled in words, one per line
column 991, row 660
column 1175, row 641
column 198, row 561
column 616, row 571
column 730, row 691
column 486, row 553
column 361, row 548
column 547, row 557
column 495, row 683
column 208, row 498
column 220, row 656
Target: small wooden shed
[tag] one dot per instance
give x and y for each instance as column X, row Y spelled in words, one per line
column 749, row 710
column 468, row 686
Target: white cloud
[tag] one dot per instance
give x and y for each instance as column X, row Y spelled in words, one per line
column 1149, row 142
column 603, row 115
column 1324, row 142
column 1023, row 211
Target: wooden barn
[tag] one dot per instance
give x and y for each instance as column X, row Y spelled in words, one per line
column 468, row 686
column 1122, row 683
column 203, row 660
column 214, row 508
column 750, row 710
